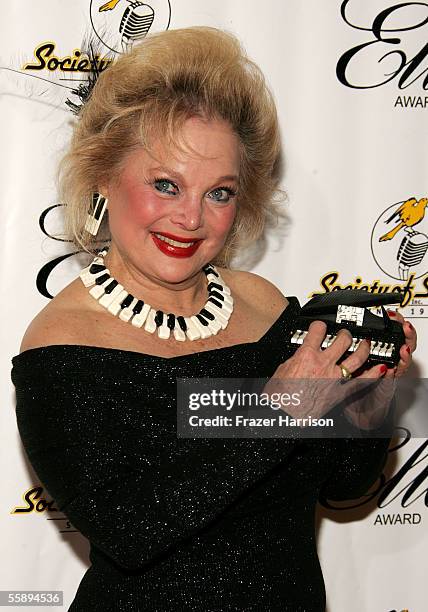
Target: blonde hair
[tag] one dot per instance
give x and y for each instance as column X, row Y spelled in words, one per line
column 150, row 91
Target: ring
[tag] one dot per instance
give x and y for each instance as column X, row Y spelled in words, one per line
column 346, row 374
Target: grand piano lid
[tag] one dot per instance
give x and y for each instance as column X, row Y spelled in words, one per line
column 328, row 302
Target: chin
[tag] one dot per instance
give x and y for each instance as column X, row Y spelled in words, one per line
column 179, row 269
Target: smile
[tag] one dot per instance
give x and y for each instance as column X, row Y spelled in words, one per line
column 175, row 243
column 170, row 246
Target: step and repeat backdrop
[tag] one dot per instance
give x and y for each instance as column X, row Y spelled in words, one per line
column 350, row 79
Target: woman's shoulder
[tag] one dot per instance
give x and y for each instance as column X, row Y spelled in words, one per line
column 258, row 290
column 70, row 318
column 58, row 322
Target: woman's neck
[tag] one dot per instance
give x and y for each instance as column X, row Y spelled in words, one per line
column 184, row 297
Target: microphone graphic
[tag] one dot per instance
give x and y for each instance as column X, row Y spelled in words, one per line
column 135, row 23
column 411, row 252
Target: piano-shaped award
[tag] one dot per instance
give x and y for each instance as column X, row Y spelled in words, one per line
column 360, row 312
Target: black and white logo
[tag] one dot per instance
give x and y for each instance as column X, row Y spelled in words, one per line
column 399, row 239
column 121, row 23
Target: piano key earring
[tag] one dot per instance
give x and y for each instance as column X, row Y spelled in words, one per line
column 96, row 213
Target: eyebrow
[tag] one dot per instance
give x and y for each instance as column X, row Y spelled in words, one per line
column 226, row 177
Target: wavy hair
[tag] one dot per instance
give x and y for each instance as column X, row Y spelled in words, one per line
column 152, row 90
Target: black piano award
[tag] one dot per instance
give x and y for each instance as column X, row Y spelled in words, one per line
column 360, row 312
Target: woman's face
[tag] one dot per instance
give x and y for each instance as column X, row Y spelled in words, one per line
column 179, row 196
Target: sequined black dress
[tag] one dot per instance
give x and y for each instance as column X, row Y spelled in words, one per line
column 180, row 524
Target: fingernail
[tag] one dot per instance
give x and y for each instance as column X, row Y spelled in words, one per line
column 383, row 369
column 391, row 313
column 408, row 349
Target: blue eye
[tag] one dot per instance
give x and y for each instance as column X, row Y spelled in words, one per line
column 164, row 186
column 222, row 194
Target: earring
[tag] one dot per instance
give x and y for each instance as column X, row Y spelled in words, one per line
column 96, row 213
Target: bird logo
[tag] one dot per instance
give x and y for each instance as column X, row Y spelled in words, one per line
column 109, row 6
column 409, row 213
column 409, row 221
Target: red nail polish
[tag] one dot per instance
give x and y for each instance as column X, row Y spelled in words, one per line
column 408, row 349
column 383, row 369
column 391, row 313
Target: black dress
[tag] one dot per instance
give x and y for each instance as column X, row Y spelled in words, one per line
column 180, row 524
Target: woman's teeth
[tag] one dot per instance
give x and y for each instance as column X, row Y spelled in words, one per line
column 174, row 242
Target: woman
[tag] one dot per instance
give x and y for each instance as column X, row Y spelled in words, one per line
column 180, row 139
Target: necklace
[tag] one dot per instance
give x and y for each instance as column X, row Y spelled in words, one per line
column 112, row 295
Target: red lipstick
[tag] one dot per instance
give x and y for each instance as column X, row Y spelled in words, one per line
column 172, row 250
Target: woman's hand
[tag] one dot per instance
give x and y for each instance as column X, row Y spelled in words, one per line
column 371, row 411
column 410, row 345
column 316, row 372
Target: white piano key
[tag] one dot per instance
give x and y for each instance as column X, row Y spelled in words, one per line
column 179, row 333
column 389, row 350
column 225, row 289
column 163, row 330
column 354, row 345
column 295, row 336
column 376, row 348
column 114, row 307
column 203, row 330
column 139, row 319
column 330, row 340
column 226, row 302
column 225, row 309
column 108, row 298
column 225, row 313
column 91, row 225
column 150, row 325
column 88, row 278
column 192, row 332
column 214, row 327
column 126, row 313
column 326, row 341
column 228, row 307
column 98, row 290
column 301, row 337
column 383, row 349
column 228, row 299
column 211, row 278
column 85, row 270
column 221, row 316
column 85, row 273
column 358, row 343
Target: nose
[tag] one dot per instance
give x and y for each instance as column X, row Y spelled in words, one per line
column 188, row 214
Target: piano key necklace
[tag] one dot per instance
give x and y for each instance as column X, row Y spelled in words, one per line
column 111, row 295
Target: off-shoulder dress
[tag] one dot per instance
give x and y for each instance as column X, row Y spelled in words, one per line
column 175, row 523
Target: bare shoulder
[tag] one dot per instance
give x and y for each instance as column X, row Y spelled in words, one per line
column 56, row 323
column 262, row 293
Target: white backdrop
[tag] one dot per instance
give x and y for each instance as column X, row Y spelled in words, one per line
column 354, row 133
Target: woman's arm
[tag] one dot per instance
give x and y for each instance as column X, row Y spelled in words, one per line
column 133, row 495
column 360, row 458
column 361, row 461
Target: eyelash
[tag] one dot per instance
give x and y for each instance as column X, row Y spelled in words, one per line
column 231, row 192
